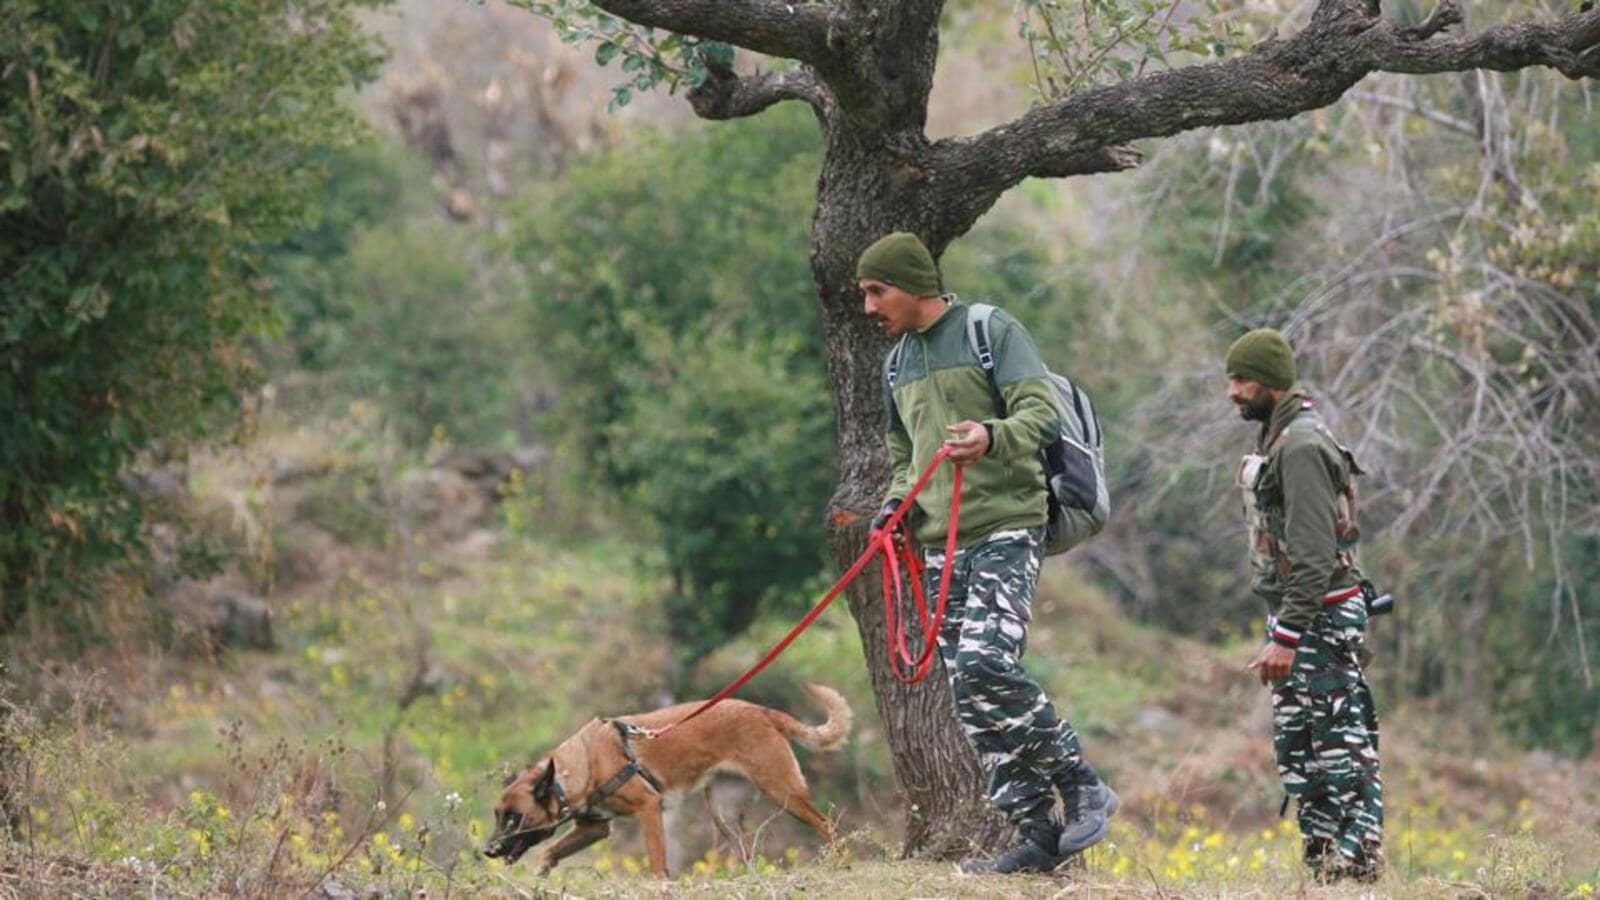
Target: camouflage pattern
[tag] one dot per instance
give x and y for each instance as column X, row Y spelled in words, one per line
column 1325, row 734
column 1023, row 747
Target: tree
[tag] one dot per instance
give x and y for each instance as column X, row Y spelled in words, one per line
column 865, row 67
column 149, row 150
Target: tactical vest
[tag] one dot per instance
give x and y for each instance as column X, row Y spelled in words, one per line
column 1260, row 480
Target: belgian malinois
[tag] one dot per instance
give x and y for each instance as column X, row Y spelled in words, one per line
column 608, row 768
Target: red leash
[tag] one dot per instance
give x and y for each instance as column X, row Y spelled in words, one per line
column 881, row 540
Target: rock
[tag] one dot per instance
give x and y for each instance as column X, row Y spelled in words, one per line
column 444, row 500
column 488, row 468
column 226, row 615
column 477, row 546
column 1158, row 720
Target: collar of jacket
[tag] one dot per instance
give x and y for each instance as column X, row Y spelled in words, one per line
column 945, row 318
column 1294, row 401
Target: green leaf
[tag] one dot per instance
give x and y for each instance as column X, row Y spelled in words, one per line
column 607, row 51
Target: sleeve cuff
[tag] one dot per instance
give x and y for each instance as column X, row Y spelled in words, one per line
column 989, row 429
column 1284, row 635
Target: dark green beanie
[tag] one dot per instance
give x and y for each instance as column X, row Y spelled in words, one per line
column 1263, row 355
column 901, row 260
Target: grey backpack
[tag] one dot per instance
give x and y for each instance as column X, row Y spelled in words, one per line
column 1074, row 463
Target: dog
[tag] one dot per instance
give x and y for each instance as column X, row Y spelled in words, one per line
column 610, row 768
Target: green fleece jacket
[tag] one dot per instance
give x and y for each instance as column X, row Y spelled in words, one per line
column 1300, row 496
column 939, row 383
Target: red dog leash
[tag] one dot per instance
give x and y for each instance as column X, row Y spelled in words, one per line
column 881, row 540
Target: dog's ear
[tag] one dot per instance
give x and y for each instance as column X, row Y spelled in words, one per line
column 546, row 781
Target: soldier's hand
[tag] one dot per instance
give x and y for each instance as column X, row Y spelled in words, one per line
column 882, row 519
column 968, row 442
column 1273, row 662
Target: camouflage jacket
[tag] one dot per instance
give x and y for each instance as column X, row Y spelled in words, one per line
column 940, row 383
column 1300, row 505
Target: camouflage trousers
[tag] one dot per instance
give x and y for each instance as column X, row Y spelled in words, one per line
column 1325, row 735
column 1022, row 746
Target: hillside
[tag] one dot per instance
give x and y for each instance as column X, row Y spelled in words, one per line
column 426, row 638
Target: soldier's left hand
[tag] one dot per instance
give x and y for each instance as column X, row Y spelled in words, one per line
column 1273, row 662
column 969, row 441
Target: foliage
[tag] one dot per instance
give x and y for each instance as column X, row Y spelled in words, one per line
column 648, row 59
column 669, row 291
column 149, row 150
column 386, row 302
column 1079, row 45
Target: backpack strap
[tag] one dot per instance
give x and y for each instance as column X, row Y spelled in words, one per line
column 978, row 315
column 891, row 368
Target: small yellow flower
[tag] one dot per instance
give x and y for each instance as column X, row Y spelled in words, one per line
column 407, row 821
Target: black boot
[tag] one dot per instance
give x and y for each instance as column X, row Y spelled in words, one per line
column 1034, row 853
column 1087, row 807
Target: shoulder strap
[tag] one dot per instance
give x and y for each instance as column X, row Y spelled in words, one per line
column 978, row 315
column 891, row 364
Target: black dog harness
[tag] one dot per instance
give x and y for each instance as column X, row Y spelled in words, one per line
column 592, row 811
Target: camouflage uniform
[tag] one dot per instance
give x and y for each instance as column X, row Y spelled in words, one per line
column 1023, row 747
column 1300, row 504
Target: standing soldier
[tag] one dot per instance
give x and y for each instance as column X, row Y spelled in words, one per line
column 1300, row 504
column 940, row 397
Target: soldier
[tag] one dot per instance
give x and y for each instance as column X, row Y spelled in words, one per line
column 940, row 397
column 1300, row 505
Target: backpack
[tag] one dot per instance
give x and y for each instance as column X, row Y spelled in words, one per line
column 1074, row 463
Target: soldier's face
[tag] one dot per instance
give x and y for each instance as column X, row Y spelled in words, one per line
column 1252, row 398
column 893, row 309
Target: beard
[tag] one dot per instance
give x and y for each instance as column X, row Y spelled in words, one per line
column 1257, row 410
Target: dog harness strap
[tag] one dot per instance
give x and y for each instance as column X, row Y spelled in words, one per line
column 626, row 730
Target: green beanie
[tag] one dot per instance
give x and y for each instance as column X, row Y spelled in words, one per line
column 901, row 260
column 1263, row 355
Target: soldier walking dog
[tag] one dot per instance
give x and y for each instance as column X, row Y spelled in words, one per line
column 1300, row 504
column 601, row 772
column 940, row 397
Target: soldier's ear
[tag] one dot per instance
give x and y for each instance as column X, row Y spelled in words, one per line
column 544, row 785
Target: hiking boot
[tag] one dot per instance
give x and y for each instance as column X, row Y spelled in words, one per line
column 1027, row 856
column 1087, row 809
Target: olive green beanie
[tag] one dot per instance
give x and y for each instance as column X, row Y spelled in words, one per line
column 1263, row 355
column 901, row 260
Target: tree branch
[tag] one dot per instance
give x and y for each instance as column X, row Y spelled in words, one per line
column 792, row 30
column 1345, row 41
column 726, row 95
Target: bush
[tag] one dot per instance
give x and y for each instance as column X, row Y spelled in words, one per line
column 151, row 149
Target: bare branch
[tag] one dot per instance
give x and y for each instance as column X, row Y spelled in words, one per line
column 1438, row 117
column 1570, row 46
column 792, row 30
column 1345, row 41
column 726, row 95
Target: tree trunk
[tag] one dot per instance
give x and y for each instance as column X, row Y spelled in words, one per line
column 935, row 765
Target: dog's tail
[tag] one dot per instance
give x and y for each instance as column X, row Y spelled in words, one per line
column 827, row 736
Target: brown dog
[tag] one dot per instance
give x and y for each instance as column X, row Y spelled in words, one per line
column 610, row 769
